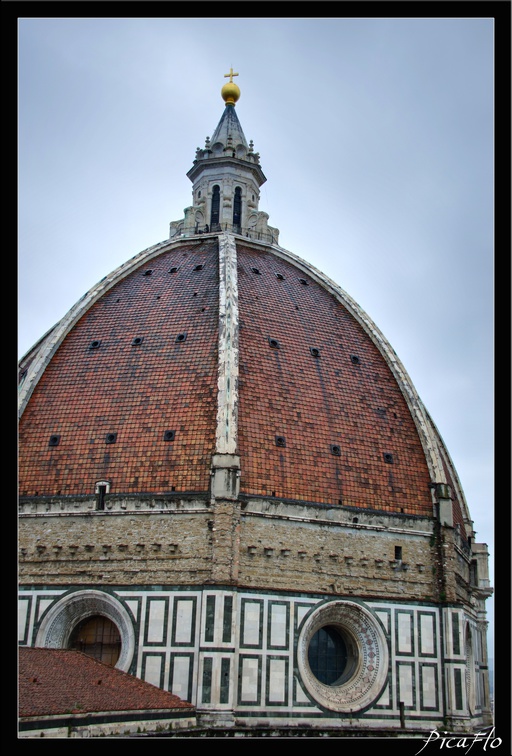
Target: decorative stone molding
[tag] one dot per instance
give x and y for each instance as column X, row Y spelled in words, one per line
column 227, row 406
column 117, row 504
column 368, row 656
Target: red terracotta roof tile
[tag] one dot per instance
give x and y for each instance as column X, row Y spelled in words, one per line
column 317, row 400
column 62, row 681
column 324, row 384
column 136, row 391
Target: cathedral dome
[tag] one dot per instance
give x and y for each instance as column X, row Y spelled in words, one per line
column 321, row 409
column 223, row 460
column 143, row 382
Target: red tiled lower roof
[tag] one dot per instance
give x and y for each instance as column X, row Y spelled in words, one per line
column 62, row 681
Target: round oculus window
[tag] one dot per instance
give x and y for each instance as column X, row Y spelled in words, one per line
column 343, row 656
column 331, row 655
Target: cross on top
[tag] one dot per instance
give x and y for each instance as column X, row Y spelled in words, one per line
column 230, row 74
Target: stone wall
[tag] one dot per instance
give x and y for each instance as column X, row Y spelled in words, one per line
column 129, row 548
column 236, row 653
column 260, row 543
column 337, row 558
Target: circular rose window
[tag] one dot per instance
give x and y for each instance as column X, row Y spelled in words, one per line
column 343, row 656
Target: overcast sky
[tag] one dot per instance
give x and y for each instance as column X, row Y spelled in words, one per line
column 376, row 138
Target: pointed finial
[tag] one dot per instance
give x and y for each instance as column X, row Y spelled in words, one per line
column 230, row 92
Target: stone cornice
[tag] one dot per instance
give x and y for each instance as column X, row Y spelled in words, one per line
column 212, row 163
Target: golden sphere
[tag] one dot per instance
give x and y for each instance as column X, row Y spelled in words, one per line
column 230, row 93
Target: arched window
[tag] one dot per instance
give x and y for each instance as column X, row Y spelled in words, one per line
column 62, row 626
column 237, row 207
column 214, row 219
column 97, row 637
